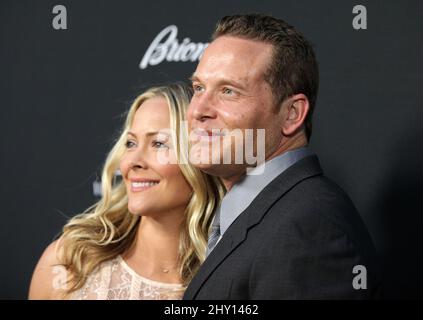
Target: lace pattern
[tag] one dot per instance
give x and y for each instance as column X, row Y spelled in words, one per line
column 115, row 280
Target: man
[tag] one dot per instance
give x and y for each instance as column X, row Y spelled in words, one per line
column 289, row 232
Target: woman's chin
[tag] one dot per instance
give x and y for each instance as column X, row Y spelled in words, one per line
column 142, row 210
column 137, row 210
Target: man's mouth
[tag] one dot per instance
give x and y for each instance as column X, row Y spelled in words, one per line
column 209, row 134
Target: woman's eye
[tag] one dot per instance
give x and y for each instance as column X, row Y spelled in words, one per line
column 159, row 144
column 129, row 144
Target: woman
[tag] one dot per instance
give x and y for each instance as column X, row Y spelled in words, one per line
column 147, row 236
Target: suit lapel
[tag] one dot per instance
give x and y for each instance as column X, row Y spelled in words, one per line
column 303, row 169
column 251, row 216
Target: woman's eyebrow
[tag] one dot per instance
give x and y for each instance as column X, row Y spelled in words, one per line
column 149, row 133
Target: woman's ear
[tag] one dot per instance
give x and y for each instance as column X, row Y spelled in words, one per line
column 297, row 107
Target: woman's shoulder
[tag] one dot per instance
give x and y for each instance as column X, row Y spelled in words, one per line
column 49, row 277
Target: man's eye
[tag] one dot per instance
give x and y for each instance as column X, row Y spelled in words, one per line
column 197, row 88
column 228, row 91
column 129, row 144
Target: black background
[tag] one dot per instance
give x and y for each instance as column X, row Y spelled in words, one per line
column 63, row 92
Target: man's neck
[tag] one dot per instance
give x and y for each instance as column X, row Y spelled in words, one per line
column 296, row 142
column 285, row 145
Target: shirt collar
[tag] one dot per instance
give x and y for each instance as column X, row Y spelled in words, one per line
column 246, row 190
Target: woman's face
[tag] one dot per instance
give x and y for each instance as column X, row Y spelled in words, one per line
column 153, row 188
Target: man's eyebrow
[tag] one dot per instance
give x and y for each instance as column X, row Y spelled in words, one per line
column 225, row 81
column 221, row 81
column 193, row 78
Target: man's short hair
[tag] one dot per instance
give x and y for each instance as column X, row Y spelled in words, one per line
column 293, row 68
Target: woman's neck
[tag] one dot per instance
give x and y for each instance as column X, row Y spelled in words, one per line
column 155, row 251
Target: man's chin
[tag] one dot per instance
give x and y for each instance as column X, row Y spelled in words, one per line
column 208, row 168
column 223, row 171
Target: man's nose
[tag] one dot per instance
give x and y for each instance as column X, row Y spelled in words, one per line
column 201, row 108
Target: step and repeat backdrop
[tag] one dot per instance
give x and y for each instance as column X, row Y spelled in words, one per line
column 69, row 70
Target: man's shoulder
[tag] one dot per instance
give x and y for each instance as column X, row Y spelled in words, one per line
column 305, row 195
column 319, row 209
column 321, row 190
column 318, row 199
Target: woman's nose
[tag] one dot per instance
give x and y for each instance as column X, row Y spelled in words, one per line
column 137, row 160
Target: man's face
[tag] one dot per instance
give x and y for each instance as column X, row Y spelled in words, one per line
column 230, row 92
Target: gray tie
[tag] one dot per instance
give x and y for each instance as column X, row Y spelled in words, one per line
column 214, row 233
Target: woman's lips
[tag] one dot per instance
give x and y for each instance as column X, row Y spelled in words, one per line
column 137, row 186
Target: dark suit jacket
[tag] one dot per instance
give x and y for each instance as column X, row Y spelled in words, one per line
column 299, row 239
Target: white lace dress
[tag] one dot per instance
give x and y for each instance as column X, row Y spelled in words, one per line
column 115, row 280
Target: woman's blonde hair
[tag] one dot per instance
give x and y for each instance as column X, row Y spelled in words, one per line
column 108, row 229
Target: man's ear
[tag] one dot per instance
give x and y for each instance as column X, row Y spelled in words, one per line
column 296, row 110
